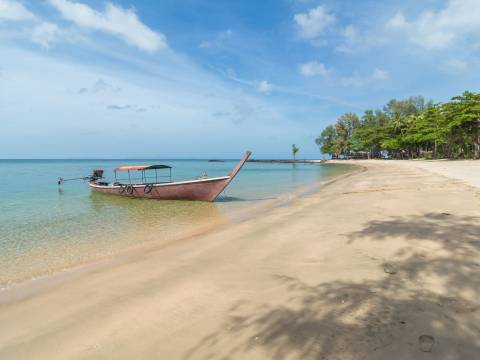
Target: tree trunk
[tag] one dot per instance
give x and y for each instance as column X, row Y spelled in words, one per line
column 477, row 149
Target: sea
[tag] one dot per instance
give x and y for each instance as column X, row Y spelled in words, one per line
column 47, row 228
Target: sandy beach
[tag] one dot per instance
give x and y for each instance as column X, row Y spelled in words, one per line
column 381, row 264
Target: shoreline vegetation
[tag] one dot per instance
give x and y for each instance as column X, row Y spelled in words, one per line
column 408, row 129
column 368, row 267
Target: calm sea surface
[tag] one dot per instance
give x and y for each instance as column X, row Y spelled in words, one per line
column 45, row 228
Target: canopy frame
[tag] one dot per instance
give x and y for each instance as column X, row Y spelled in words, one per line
column 144, row 178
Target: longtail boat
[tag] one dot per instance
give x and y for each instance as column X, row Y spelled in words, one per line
column 148, row 185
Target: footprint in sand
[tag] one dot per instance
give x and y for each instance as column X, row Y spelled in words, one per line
column 389, row 269
column 426, row 342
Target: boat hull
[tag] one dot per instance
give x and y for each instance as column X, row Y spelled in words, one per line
column 203, row 189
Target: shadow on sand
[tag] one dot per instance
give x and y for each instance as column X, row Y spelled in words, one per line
column 222, row 199
column 377, row 319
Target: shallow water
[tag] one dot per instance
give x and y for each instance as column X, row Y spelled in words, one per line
column 45, row 228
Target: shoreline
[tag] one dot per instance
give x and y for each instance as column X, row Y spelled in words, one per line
column 20, row 289
column 361, row 269
column 288, row 161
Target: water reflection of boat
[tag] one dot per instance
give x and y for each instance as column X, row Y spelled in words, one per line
column 149, row 186
column 145, row 214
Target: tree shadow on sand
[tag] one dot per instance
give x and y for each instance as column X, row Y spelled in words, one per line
column 374, row 319
column 227, row 199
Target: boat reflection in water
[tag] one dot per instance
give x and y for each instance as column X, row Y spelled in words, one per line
column 136, row 221
column 108, row 225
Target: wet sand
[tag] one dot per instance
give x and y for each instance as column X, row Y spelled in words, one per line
column 381, row 264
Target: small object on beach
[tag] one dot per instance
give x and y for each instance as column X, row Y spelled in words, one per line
column 426, row 342
column 446, row 213
column 389, row 269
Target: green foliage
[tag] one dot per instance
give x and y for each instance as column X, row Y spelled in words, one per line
column 295, row 149
column 409, row 128
column 345, row 127
column 326, row 141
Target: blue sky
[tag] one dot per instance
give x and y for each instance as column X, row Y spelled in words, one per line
column 83, row 78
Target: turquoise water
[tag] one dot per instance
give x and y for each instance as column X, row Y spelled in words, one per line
column 45, row 228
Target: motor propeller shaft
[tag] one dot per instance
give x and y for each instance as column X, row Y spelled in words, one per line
column 96, row 174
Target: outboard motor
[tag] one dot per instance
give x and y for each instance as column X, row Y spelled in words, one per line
column 96, row 174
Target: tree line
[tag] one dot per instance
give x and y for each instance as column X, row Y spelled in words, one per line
column 410, row 128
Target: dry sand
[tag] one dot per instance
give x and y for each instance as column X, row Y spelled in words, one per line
column 467, row 171
column 365, row 269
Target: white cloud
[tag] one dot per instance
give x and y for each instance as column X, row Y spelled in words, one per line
column 115, row 20
column 397, row 22
column 13, row 10
column 264, row 87
column 35, row 30
column 45, row 33
column 355, row 41
column 456, row 65
column 357, row 81
column 439, row 29
column 379, row 74
column 313, row 68
column 313, row 23
column 218, row 41
column 166, row 89
column 351, row 40
column 350, row 33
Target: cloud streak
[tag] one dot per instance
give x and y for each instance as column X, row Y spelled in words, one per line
column 356, row 80
column 114, row 20
column 14, row 11
column 218, row 40
column 45, row 33
column 440, row 29
column 34, row 28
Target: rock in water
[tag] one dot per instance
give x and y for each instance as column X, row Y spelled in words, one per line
column 426, row 342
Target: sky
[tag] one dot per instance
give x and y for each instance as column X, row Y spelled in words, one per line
column 209, row 79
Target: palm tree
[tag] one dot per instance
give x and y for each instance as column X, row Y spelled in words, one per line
column 295, row 149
